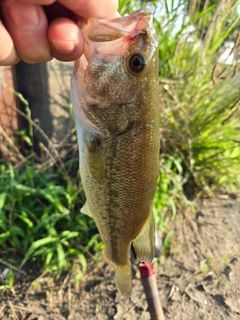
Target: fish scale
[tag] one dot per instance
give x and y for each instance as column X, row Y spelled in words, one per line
column 116, row 108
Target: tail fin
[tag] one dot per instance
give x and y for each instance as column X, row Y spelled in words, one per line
column 123, row 276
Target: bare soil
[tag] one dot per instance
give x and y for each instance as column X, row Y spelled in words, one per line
column 200, row 279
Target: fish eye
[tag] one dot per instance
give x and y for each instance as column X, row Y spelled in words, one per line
column 137, row 63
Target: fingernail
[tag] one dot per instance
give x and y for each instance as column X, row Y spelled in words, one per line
column 23, row 15
column 63, row 46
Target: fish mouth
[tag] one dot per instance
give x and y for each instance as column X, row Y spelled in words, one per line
column 104, row 30
column 121, row 32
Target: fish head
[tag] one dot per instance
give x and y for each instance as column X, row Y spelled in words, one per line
column 121, row 57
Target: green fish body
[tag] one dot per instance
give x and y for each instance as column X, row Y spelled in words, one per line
column 115, row 99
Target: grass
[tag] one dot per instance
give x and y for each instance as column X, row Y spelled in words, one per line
column 199, row 100
column 40, row 201
column 39, row 217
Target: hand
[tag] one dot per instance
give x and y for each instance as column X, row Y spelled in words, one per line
column 38, row 30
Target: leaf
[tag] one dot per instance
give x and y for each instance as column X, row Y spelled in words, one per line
column 3, row 287
column 28, row 222
column 83, row 261
column 66, row 235
column 27, row 140
column 61, row 257
column 49, row 257
column 5, row 235
column 2, row 200
column 35, row 245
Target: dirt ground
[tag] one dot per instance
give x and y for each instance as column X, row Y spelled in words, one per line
column 200, row 279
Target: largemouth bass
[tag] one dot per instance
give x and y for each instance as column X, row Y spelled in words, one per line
column 115, row 99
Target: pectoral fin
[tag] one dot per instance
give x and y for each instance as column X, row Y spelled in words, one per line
column 86, row 210
column 95, row 160
column 143, row 244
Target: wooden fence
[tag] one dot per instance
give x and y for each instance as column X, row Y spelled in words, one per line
column 46, row 88
column 10, row 121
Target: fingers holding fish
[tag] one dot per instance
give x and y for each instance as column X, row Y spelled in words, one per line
column 27, row 25
column 65, row 35
column 100, row 9
column 38, row 30
column 66, row 39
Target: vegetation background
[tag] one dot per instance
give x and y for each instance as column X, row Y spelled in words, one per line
column 40, row 187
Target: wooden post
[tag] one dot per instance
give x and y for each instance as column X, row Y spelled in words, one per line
column 46, row 87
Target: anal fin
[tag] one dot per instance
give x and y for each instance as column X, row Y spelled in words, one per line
column 144, row 243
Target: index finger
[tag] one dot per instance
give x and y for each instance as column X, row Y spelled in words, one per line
column 101, row 9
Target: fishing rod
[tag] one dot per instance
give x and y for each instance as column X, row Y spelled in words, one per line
column 149, row 283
